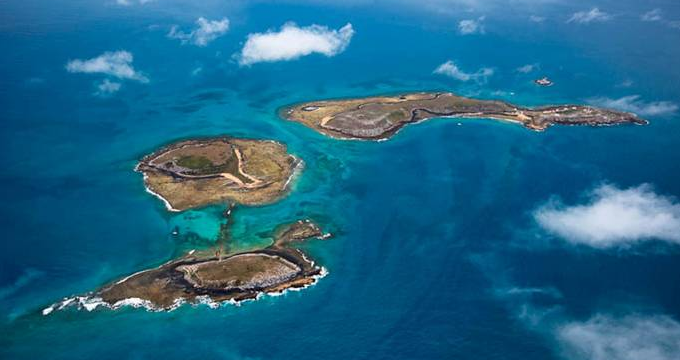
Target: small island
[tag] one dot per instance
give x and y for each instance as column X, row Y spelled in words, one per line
column 207, row 277
column 380, row 117
column 544, row 81
column 195, row 173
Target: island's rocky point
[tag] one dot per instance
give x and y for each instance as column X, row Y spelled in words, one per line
column 380, row 117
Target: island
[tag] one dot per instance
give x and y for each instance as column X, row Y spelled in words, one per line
column 544, row 81
column 208, row 277
column 380, row 117
column 195, row 173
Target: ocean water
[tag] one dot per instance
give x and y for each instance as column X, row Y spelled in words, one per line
column 433, row 228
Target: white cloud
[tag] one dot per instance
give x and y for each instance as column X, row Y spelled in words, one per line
column 450, row 69
column 205, row 32
column 536, row 18
column 471, row 26
column 129, row 3
column 614, row 217
column 632, row 103
column 625, row 83
column 652, row 15
column 530, row 291
column 456, row 7
column 107, row 87
column 527, row 68
column 117, row 64
column 593, row 15
column 293, row 42
column 633, row 337
column 656, row 15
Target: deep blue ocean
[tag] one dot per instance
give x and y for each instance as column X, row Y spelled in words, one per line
column 436, row 254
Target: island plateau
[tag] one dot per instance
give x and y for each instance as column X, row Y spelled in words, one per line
column 195, row 173
column 380, row 117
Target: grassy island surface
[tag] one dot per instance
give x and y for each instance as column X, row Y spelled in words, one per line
column 196, row 173
column 380, row 117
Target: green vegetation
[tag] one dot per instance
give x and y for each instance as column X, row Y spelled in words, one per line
column 201, row 165
column 194, row 162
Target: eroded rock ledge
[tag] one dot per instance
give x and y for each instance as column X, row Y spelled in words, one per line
column 380, row 117
column 195, row 173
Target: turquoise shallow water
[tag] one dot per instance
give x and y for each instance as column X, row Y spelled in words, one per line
column 430, row 226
